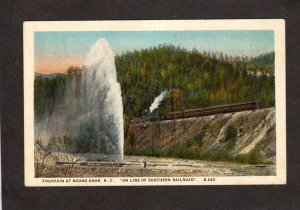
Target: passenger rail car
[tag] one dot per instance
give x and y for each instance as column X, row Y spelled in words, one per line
column 212, row 110
column 222, row 109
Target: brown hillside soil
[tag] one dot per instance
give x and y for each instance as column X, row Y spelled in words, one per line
column 247, row 136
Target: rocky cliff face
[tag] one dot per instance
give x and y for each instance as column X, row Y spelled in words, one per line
column 247, row 136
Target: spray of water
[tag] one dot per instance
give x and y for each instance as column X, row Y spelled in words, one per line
column 92, row 108
column 103, row 95
column 157, row 101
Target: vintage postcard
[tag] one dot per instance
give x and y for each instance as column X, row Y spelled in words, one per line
column 134, row 103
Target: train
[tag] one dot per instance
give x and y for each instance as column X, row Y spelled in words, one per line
column 221, row 109
column 189, row 113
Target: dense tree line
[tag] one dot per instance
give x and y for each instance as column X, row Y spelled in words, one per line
column 192, row 78
column 50, row 90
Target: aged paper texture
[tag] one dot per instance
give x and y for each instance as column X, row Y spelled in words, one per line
column 137, row 103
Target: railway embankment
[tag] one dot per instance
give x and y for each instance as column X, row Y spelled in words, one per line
column 246, row 137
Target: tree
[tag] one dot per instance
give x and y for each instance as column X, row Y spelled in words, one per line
column 42, row 155
column 177, row 96
column 66, row 151
column 144, row 73
column 231, row 133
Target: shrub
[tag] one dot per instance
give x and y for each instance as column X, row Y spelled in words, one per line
column 131, row 139
column 190, row 143
column 252, row 157
column 41, row 153
column 199, row 138
column 230, row 133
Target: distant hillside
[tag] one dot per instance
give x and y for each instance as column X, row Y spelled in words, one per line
column 263, row 59
column 48, row 76
column 192, row 79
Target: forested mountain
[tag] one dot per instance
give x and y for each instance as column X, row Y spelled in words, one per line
column 192, row 79
column 263, row 59
column 48, row 76
column 262, row 64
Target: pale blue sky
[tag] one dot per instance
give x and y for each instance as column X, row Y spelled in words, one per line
column 61, row 45
column 79, row 43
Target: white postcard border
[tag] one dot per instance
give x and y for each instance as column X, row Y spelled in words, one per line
column 278, row 25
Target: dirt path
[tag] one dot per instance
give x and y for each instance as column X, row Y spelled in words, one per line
column 139, row 166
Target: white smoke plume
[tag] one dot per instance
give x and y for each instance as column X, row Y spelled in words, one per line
column 157, row 101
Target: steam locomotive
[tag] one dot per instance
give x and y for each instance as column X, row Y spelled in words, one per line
column 189, row 113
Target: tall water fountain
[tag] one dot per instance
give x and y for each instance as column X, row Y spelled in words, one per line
column 102, row 100
column 92, row 109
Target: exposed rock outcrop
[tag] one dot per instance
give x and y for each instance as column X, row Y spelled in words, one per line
column 232, row 135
